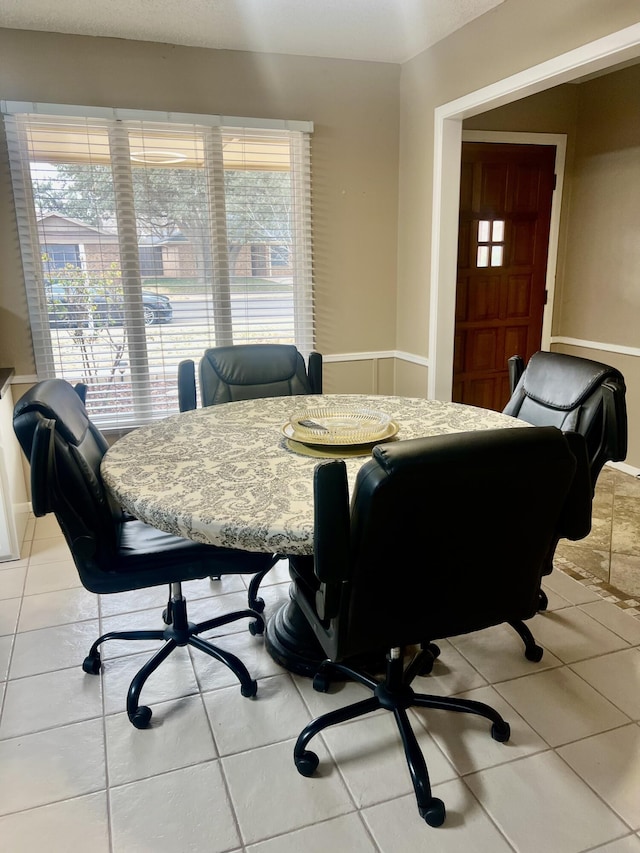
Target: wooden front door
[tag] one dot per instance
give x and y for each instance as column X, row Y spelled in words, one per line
column 505, row 211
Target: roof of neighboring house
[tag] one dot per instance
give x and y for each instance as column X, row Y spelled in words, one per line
column 55, row 227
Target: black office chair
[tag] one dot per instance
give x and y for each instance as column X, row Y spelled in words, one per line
column 426, row 550
column 248, row 372
column 112, row 551
column 574, row 394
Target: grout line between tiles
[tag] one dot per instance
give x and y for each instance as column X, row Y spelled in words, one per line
column 592, row 789
column 104, row 740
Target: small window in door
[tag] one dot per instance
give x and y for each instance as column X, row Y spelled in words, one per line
column 490, row 243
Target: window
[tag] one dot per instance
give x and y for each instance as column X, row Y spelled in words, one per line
column 151, row 261
column 490, row 243
column 147, row 238
column 57, row 256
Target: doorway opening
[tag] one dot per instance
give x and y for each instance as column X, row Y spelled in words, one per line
column 505, row 270
column 604, row 53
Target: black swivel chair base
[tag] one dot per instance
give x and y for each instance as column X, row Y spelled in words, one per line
column 255, row 601
column 395, row 694
column 532, row 651
column 179, row 632
column 290, row 641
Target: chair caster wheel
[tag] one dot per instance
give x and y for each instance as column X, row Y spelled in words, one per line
column 307, row 763
column 256, row 627
column 249, row 690
column 427, row 667
column 501, row 731
column 534, row 654
column 91, row 664
column 429, row 659
column 321, row 683
column 543, row 601
column 257, row 605
column 140, row 717
column 435, row 812
column 167, row 616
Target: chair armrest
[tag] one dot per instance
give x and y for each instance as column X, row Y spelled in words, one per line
column 575, row 521
column 331, row 535
column 81, row 390
column 331, row 521
column 315, row 372
column 41, row 463
column 615, row 415
column 186, row 385
column 516, row 369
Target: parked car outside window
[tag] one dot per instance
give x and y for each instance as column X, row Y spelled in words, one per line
column 92, row 308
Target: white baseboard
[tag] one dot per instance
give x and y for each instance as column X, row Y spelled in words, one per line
column 627, row 469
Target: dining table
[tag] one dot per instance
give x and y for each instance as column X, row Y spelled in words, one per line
column 235, row 475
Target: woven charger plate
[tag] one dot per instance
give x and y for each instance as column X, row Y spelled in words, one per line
column 339, row 426
column 336, row 451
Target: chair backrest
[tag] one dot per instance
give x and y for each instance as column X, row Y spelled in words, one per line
column 574, row 394
column 65, row 450
column 444, row 535
column 249, row 371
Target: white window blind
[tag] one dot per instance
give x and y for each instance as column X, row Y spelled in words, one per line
column 146, row 239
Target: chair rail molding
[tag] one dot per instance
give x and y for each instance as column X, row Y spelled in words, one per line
column 599, row 345
column 377, row 356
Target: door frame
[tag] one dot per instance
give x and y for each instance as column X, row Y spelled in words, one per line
column 559, row 140
column 614, row 49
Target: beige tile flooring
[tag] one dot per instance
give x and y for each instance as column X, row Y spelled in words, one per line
column 215, row 772
column 609, row 558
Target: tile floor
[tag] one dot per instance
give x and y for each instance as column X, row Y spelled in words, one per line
column 609, row 558
column 215, row 771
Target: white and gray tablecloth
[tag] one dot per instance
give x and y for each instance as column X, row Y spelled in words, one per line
column 228, row 476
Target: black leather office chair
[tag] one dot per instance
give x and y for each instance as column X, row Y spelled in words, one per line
column 426, row 550
column 574, row 394
column 112, row 551
column 248, row 372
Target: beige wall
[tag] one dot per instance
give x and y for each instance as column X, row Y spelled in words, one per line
column 354, row 107
column 551, row 111
column 600, row 295
column 512, row 37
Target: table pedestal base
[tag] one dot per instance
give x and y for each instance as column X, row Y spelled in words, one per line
column 291, row 642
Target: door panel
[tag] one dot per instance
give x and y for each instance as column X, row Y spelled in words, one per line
column 505, row 211
column 481, row 393
column 481, row 349
column 515, row 340
column 493, row 188
column 484, row 303
column 518, row 297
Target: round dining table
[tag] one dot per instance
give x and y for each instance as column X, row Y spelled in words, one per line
column 231, row 475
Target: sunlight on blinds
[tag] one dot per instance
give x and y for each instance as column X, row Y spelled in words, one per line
column 144, row 242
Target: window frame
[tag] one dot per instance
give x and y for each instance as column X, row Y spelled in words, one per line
column 118, row 123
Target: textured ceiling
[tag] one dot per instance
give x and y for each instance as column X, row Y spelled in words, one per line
column 379, row 30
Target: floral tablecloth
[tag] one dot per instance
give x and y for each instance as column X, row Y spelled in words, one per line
column 228, row 476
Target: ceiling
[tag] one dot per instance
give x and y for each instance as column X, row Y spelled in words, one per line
column 375, row 30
